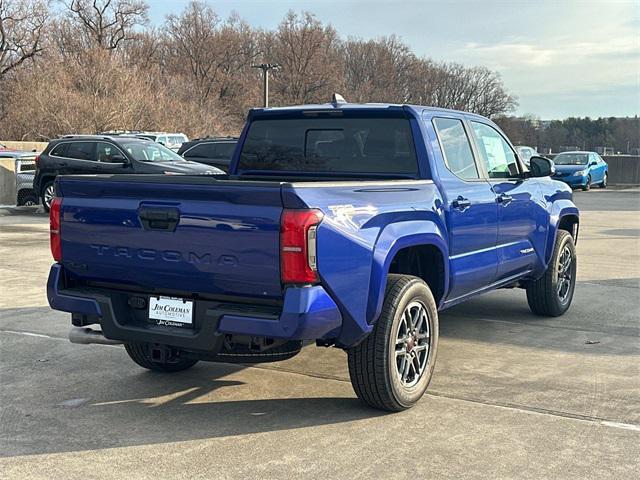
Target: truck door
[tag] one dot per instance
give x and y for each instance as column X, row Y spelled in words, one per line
column 470, row 209
column 521, row 220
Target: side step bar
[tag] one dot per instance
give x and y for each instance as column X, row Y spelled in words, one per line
column 86, row 336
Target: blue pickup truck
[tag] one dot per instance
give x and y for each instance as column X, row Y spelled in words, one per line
column 341, row 224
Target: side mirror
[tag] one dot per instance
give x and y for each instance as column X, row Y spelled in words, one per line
column 541, row 167
column 593, row 164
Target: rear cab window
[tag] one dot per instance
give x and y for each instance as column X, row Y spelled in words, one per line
column 331, row 143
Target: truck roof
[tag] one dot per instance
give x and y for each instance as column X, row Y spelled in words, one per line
column 361, row 106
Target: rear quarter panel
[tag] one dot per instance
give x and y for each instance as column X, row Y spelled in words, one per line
column 364, row 225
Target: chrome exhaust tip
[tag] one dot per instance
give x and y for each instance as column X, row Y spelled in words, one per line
column 86, row 336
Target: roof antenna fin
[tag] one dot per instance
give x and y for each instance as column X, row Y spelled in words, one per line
column 337, row 99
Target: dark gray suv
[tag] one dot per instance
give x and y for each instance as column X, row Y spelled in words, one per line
column 92, row 154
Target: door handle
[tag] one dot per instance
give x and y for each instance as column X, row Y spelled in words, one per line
column 461, row 203
column 159, row 218
column 504, row 199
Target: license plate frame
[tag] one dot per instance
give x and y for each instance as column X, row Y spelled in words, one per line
column 171, row 311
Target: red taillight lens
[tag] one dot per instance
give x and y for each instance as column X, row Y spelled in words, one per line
column 54, row 228
column 298, row 261
column 37, row 160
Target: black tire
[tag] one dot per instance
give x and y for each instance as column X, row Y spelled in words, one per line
column 605, row 181
column 543, row 295
column 587, row 187
column 43, row 195
column 30, row 201
column 140, row 353
column 374, row 375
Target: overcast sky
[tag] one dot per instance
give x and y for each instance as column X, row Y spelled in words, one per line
column 560, row 58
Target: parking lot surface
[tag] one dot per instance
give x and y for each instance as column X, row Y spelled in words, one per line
column 513, row 395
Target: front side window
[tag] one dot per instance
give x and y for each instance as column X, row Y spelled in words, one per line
column 455, row 145
column 81, row 150
column 151, row 152
column 109, row 153
column 496, row 154
column 358, row 144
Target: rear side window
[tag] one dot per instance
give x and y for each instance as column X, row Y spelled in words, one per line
column 203, row 150
column 457, row 150
column 333, row 144
column 497, row 155
column 80, row 150
column 225, row 150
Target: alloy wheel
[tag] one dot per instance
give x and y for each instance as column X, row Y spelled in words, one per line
column 412, row 344
column 49, row 195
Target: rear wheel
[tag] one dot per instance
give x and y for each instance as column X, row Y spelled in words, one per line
column 159, row 358
column 551, row 295
column 391, row 369
column 48, row 194
column 586, row 187
column 604, row 181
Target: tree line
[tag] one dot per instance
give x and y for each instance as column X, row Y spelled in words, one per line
column 85, row 66
column 622, row 135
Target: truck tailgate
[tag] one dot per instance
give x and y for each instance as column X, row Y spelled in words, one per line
column 200, row 236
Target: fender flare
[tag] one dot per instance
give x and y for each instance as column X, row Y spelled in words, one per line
column 393, row 238
column 559, row 210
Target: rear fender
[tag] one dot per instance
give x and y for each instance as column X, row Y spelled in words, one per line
column 392, row 239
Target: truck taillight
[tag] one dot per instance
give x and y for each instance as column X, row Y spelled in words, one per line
column 298, row 261
column 54, row 228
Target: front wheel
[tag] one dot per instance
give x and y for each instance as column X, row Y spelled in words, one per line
column 551, row 295
column 391, row 369
column 586, row 187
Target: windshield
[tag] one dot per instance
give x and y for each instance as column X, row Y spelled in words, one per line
column 151, row 152
column 358, row 144
column 571, row 159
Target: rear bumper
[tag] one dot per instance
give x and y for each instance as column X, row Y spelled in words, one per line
column 308, row 313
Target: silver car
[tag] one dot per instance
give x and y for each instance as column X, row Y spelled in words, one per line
column 25, row 168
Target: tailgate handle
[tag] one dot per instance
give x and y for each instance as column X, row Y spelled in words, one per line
column 154, row 218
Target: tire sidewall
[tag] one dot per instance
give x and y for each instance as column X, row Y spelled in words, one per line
column 44, row 190
column 407, row 396
column 565, row 240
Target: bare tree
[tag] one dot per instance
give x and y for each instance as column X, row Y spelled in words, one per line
column 107, row 23
column 21, row 31
column 378, row 70
column 211, row 52
column 309, row 55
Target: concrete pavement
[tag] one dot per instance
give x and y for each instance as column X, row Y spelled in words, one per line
column 513, row 396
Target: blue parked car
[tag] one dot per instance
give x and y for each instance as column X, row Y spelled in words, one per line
column 581, row 169
column 341, row 224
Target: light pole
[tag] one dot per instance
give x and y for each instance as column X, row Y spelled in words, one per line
column 265, row 67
